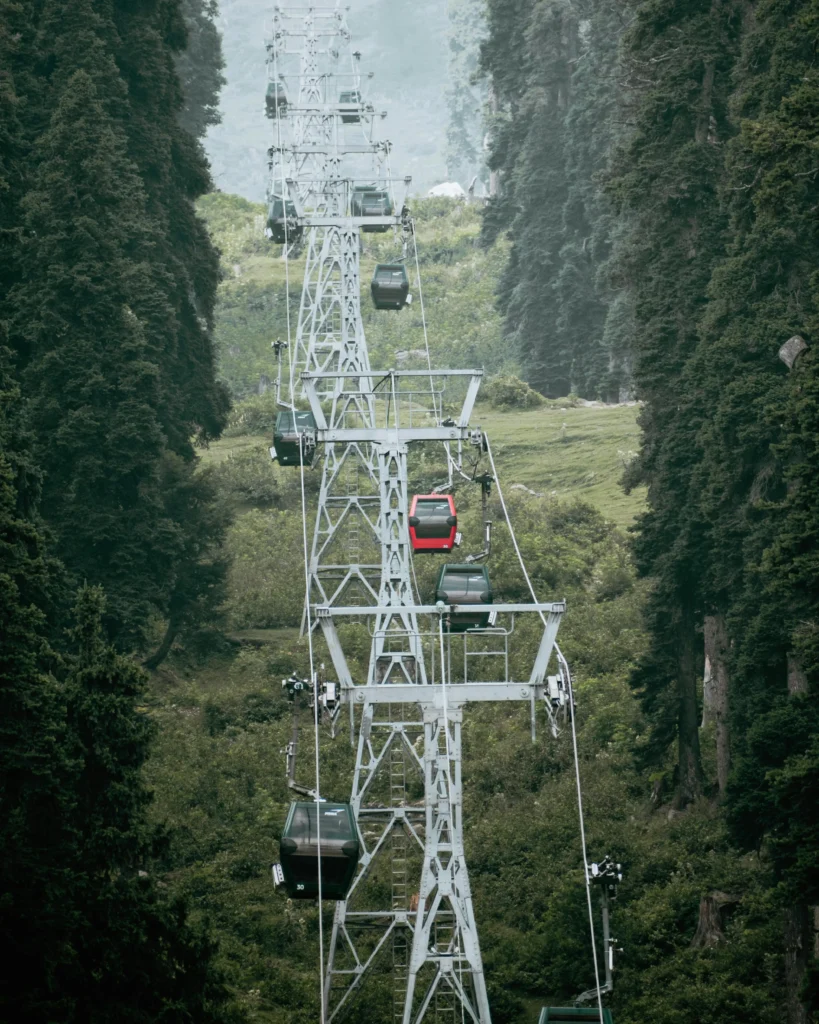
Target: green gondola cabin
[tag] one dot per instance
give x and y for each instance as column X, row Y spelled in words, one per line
column 275, row 100
column 294, row 438
column 330, row 829
column 464, row 585
column 282, row 221
column 350, row 103
column 390, row 286
column 368, row 201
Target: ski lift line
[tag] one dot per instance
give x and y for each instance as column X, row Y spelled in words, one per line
column 564, row 665
column 306, row 582
column 424, row 322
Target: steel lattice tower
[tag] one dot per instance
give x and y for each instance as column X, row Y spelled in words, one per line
column 409, row 711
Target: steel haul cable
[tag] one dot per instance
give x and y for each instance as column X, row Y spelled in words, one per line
column 306, row 557
column 565, row 668
column 424, row 322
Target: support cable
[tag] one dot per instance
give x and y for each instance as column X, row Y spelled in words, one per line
column 565, row 670
column 424, row 322
column 306, row 560
column 438, row 415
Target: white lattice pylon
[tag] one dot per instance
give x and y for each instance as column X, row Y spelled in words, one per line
column 445, row 898
column 331, row 339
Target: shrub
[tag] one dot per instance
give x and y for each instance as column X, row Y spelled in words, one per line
column 254, row 415
column 266, row 578
column 511, row 392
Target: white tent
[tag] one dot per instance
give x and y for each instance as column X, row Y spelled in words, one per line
column 450, row 189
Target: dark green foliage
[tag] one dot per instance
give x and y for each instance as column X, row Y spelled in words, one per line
column 34, row 761
column 704, row 264
column 87, row 933
column 200, row 67
column 553, row 72
column 92, row 386
column 723, row 253
column 666, row 180
column 199, row 522
column 175, row 173
column 95, row 436
column 110, row 295
column 530, row 143
column 760, row 445
column 149, row 964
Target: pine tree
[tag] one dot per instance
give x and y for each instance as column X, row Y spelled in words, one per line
column 117, row 367
column 200, row 66
column 198, row 588
column 92, row 387
column 146, row 961
column 759, row 463
column 583, row 290
column 553, row 72
column 534, row 185
column 18, row 100
column 174, row 173
column 465, row 97
column 35, row 803
column 665, row 182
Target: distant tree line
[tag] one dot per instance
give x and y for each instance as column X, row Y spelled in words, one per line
column 554, row 117
column 107, row 531
column 660, row 186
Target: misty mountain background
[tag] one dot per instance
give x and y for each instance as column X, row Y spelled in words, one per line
column 405, row 42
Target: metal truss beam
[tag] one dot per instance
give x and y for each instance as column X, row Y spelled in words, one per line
column 409, row 713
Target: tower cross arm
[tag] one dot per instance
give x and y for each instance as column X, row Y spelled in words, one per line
column 551, row 608
column 457, row 694
column 385, row 385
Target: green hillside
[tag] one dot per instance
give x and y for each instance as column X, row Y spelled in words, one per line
column 562, row 450
column 458, row 281
column 639, row 295
column 218, row 769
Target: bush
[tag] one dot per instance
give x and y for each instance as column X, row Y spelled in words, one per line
column 254, row 415
column 266, row 578
column 248, row 477
column 511, row 392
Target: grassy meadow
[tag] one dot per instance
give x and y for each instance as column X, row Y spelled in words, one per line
column 218, row 769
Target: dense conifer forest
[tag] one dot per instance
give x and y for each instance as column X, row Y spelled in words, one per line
column 652, row 243
column 108, row 386
column 660, row 182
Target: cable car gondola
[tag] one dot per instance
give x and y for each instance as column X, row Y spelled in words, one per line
column 275, row 99
column 433, row 522
column 368, row 201
column 330, row 828
column 465, row 584
column 550, row 1014
column 350, row 103
column 294, row 438
column 282, row 221
column 390, row 286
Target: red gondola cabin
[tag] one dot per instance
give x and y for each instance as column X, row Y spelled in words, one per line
column 433, row 522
